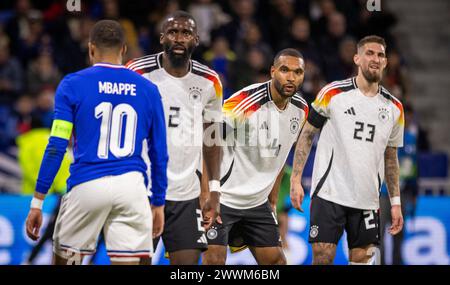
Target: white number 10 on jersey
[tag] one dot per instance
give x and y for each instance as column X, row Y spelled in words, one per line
column 111, row 129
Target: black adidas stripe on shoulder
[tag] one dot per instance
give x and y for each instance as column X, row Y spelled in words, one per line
column 298, row 101
column 386, row 94
column 145, row 64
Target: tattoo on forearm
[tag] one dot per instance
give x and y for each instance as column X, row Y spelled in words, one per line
column 302, row 149
column 392, row 171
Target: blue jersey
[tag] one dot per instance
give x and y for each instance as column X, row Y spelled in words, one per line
column 113, row 112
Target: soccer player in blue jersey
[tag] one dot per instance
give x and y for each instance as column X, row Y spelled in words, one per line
column 112, row 114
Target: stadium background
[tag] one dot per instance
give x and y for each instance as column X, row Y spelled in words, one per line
column 41, row 41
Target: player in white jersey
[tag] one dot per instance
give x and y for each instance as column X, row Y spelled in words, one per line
column 361, row 127
column 262, row 122
column 192, row 99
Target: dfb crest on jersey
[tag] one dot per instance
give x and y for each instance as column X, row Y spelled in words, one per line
column 212, row 233
column 314, row 231
column 383, row 115
column 294, row 125
column 195, row 94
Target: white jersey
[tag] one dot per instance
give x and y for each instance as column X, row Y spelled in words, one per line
column 259, row 137
column 188, row 102
column 350, row 153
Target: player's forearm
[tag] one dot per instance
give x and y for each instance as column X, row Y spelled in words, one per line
column 159, row 177
column 212, row 156
column 302, row 150
column 212, row 152
column 53, row 156
column 273, row 196
column 392, row 171
column 158, row 155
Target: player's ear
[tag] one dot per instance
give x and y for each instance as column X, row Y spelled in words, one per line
column 161, row 38
column 91, row 48
column 356, row 59
column 197, row 40
column 272, row 71
column 124, row 50
column 385, row 62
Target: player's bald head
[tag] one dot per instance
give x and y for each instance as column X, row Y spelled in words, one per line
column 287, row 52
column 107, row 34
column 179, row 15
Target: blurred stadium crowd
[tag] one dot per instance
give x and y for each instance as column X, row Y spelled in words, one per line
column 41, row 41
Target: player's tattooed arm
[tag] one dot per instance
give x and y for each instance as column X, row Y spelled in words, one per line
column 302, row 150
column 392, row 171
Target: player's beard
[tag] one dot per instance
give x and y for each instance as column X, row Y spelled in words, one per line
column 374, row 77
column 178, row 60
column 281, row 89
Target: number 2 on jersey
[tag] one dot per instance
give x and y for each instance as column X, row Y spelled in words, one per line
column 111, row 127
column 360, row 128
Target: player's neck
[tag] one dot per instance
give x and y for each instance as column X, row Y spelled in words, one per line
column 174, row 71
column 280, row 101
column 110, row 59
column 369, row 89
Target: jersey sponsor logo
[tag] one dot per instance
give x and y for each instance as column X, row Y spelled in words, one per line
column 195, row 94
column 350, row 111
column 115, row 88
column 314, row 231
column 295, row 126
column 383, row 115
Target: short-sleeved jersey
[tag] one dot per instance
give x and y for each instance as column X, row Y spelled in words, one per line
column 113, row 113
column 188, row 102
column 258, row 139
column 356, row 129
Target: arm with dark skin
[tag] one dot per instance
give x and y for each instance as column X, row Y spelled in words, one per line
column 273, row 196
column 392, row 173
column 212, row 157
column 302, row 150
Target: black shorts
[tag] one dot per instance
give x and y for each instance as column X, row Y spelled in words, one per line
column 328, row 221
column 183, row 228
column 256, row 227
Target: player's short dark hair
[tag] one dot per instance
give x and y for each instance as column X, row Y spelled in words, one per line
column 177, row 15
column 371, row 39
column 107, row 34
column 287, row 52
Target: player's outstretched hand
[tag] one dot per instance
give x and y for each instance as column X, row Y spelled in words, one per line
column 158, row 220
column 211, row 210
column 297, row 195
column 34, row 223
column 397, row 220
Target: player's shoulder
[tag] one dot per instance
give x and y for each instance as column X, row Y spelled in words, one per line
column 75, row 78
column 204, row 71
column 145, row 64
column 391, row 98
column 249, row 98
column 298, row 101
column 337, row 87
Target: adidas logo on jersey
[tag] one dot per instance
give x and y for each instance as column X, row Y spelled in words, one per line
column 350, row 111
column 264, row 126
column 202, row 239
